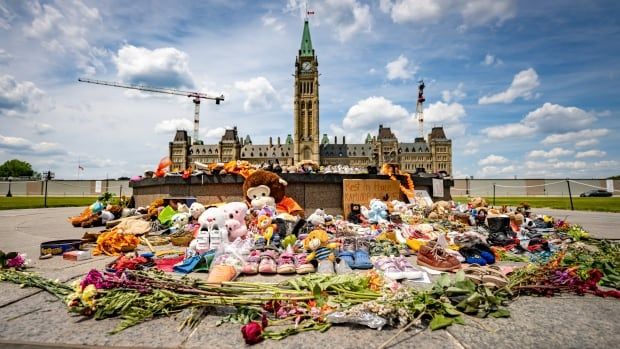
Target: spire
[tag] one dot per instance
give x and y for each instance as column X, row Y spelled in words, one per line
column 306, row 49
column 325, row 140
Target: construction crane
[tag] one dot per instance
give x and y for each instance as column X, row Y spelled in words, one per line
column 197, row 96
column 419, row 108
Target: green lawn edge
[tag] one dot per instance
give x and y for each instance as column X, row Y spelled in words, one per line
column 610, row 204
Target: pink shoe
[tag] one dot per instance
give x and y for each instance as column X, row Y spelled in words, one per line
column 301, row 265
column 286, row 264
column 251, row 264
column 268, row 262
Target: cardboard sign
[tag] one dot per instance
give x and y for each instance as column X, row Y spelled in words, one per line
column 437, row 187
column 361, row 191
column 423, row 195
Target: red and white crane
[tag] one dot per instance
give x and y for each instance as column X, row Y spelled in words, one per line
column 197, row 96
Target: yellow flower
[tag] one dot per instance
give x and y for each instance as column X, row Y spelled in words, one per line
column 88, row 295
column 76, row 286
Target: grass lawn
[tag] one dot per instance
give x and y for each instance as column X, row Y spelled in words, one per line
column 611, row 204
column 37, row 201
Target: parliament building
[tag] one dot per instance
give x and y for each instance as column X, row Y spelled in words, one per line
column 433, row 154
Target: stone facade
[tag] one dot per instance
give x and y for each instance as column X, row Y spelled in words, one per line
column 432, row 155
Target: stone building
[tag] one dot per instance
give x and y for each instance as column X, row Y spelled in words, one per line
column 432, row 155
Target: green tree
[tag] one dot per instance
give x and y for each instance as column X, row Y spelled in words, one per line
column 15, row 168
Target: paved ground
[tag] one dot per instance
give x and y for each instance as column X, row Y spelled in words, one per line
column 32, row 318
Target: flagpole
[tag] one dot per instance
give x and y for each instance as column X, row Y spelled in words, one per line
column 78, row 169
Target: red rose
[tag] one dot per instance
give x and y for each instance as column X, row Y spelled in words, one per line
column 252, row 332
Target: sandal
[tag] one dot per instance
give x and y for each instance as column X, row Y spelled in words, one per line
column 474, row 273
column 268, row 263
column 494, row 277
column 301, row 264
column 251, row 263
column 285, row 264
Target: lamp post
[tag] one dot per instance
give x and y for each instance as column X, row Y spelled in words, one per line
column 9, row 195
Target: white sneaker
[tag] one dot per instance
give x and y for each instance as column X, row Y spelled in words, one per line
column 389, row 268
column 407, row 269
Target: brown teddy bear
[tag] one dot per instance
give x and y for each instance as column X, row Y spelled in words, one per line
column 264, row 188
column 477, row 202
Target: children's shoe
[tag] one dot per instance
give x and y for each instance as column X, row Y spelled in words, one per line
column 251, row 263
column 389, row 268
column 301, row 264
column 342, row 267
column 286, row 264
column 325, row 267
column 407, row 269
column 268, row 263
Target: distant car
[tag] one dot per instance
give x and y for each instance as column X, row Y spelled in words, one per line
column 596, row 192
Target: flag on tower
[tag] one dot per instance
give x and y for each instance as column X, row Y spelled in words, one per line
column 80, row 168
column 310, row 12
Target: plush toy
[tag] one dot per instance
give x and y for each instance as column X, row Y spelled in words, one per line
column 182, row 208
column 265, row 227
column 212, row 216
column 106, row 216
column 377, row 212
column 179, row 220
column 317, row 243
column 317, row 218
column 196, row 209
column 153, row 209
column 477, row 202
column 440, row 210
column 355, row 216
column 262, row 186
column 235, row 219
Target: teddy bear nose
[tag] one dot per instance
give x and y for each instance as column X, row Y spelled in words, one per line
column 230, row 216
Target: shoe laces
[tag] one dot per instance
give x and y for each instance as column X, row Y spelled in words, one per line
column 439, row 252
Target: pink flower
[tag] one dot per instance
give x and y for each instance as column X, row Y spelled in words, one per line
column 16, row 262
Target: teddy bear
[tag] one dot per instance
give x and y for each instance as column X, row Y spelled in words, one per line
column 265, row 227
column 212, row 216
column 377, row 212
column 179, row 220
column 477, row 202
column 263, row 188
column 317, row 218
column 317, row 243
column 440, row 210
column 196, row 209
column 235, row 219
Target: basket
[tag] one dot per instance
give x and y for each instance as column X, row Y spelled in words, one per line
column 181, row 239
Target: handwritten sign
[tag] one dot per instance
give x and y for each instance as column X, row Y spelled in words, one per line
column 423, row 198
column 361, row 191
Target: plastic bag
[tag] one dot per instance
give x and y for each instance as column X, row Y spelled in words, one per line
column 361, row 318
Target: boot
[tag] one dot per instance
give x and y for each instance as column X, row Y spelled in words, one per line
column 499, row 231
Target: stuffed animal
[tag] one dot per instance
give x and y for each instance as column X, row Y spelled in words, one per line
column 196, row 209
column 153, row 209
column 211, row 216
column 265, row 227
column 355, row 216
column 477, row 202
column 235, row 219
column 182, row 208
column 179, row 220
column 262, row 186
column 377, row 212
column 317, row 243
column 317, row 218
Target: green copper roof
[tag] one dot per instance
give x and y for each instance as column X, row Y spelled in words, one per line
column 289, row 139
column 368, row 139
column 306, row 42
column 325, row 140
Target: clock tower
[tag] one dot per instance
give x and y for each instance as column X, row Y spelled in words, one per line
column 306, row 101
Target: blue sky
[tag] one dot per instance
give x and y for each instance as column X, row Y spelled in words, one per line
column 524, row 88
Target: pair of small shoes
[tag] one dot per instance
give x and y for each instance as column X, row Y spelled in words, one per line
column 342, row 267
column 490, row 276
column 361, row 256
column 286, row 264
column 476, row 256
column 301, row 264
column 397, row 268
column 325, row 266
column 384, row 248
column 251, row 263
column 268, row 263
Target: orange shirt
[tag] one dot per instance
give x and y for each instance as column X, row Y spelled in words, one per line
column 290, row 206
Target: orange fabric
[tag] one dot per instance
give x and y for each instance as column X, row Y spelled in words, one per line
column 289, row 205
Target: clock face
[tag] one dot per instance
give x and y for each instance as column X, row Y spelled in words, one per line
column 307, row 66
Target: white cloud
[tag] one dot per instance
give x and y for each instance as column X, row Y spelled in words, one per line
column 161, row 67
column 347, row 17
column 522, row 86
column 270, row 21
column 42, row 128
column 16, row 97
column 553, row 153
column 5, row 57
column 606, row 164
column 168, row 126
column 214, row 134
column 455, row 95
column 260, row 93
column 491, row 60
column 372, row 111
column 471, row 147
column 566, row 165
column 578, row 136
column 508, row 130
column 5, row 17
column 586, row 143
column 398, row 69
column 63, row 28
column 440, row 112
column 554, row 117
column 594, row 153
column 482, row 12
column 22, row 146
column 415, row 11
column 492, row 160
column 488, row 171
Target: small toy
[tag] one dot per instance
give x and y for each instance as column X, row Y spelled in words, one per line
column 377, row 212
column 266, row 228
column 235, row 219
column 263, row 188
column 317, row 243
column 317, row 218
column 196, row 209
